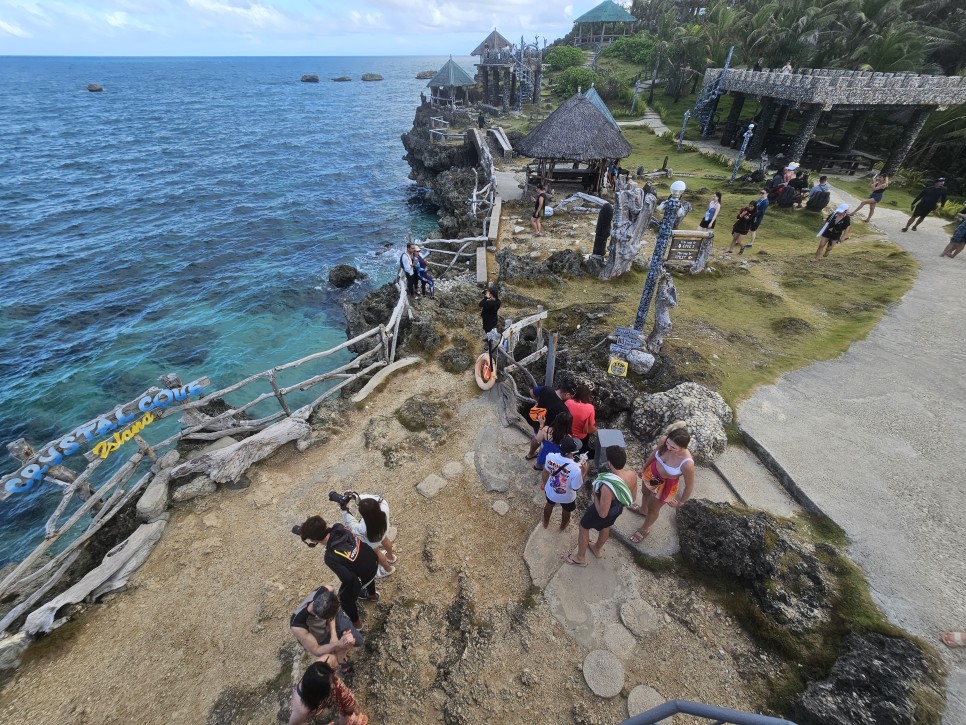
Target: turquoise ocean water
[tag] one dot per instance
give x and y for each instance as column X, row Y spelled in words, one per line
column 184, row 220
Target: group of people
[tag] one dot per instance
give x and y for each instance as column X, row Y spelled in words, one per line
column 564, row 421
column 327, row 624
column 414, row 266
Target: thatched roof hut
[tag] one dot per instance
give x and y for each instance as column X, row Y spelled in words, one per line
column 494, row 42
column 576, row 131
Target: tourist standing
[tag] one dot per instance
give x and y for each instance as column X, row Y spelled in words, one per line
column 584, row 416
column 373, row 529
column 539, row 204
column 548, row 404
column 422, row 273
column 928, row 199
column 481, row 121
column 836, row 230
column 322, row 628
column 711, row 215
column 958, row 240
column 320, row 688
column 488, row 309
column 741, row 226
column 613, row 489
column 551, row 436
column 661, row 476
column 406, row 264
column 879, row 184
column 787, row 68
column 562, row 477
column 349, row 559
column 761, row 206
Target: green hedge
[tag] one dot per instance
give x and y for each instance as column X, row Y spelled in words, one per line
column 563, row 57
column 637, row 49
column 573, row 78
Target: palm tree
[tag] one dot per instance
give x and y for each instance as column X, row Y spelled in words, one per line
column 724, row 27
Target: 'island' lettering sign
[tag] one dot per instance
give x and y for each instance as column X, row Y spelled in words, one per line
column 53, row 454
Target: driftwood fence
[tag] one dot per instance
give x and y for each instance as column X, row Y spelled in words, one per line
column 68, row 531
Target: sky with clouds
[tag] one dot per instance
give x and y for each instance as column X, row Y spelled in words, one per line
column 274, row 27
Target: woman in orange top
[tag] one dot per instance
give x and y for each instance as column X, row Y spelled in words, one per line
column 584, row 416
column 661, row 476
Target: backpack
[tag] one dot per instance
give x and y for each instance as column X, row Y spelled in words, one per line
column 787, row 197
column 776, row 191
column 818, row 201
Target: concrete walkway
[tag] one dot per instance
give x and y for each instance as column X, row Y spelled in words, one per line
column 874, row 438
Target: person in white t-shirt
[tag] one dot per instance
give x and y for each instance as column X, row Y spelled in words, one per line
column 562, row 477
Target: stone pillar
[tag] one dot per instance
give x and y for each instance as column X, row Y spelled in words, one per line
column 780, row 118
column 904, row 145
column 513, row 89
column 731, row 125
column 496, row 87
column 485, row 75
column 757, row 144
column 806, row 129
column 537, row 82
column 851, row 137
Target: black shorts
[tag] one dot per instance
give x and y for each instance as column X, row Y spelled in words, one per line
column 921, row 210
column 565, row 506
column 705, row 225
column 592, row 520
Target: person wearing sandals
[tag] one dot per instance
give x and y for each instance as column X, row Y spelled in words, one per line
column 322, row 628
column 661, row 477
column 613, row 489
column 562, row 477
column 320, row 688
column 880, row 183
column 373, row 529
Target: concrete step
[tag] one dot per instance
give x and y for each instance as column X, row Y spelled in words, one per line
column 755, row 483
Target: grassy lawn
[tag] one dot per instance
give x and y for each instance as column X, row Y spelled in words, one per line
column 756, row 316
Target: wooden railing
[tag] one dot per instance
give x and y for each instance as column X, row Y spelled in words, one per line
column 38, row 572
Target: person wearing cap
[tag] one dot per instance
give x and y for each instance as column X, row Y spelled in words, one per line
column 562, row 477
column 928, row 199
column 422, row 273
column 322, row 628
column 836, row 230
column 349, row 559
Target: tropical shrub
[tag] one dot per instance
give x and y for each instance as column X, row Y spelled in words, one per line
column 573, row 78
column 562, row 57
column 637, row 49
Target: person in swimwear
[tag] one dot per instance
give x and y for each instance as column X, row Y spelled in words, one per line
column 319, row 689
column 661, row 478
column 879, row 185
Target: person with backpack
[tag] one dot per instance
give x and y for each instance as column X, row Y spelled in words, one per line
column 562, row 477
column 819, row 196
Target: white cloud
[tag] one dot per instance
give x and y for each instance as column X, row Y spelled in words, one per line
column 13, row 29
column 248, row 17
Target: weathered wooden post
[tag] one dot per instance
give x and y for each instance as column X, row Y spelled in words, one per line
column 741, row 154
column 551, row 360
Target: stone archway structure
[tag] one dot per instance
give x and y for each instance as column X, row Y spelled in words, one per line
column 814, row 91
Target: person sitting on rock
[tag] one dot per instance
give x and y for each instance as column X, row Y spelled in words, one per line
column 661, row 475
column 613, row 489
column 319, row 689
column 562, row 477
column 348, row 557
column 322, row 628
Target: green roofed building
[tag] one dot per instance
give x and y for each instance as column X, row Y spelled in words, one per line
column 603, row 25
column 448, row 87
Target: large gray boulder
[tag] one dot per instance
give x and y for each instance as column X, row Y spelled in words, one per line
column 343, row 275
column 781, row 572
column 701, row 410
column 514, row 268
column 878, row 680
column 567, row 263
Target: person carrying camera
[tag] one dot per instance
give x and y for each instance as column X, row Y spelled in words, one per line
column 563, row 475
column 374, row 527
column 349, row 559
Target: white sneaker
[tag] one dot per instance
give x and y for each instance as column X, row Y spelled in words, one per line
column 383, row 572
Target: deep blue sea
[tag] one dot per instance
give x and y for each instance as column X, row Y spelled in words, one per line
column 184, row 220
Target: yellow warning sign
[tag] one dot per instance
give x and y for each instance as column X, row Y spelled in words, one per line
column 617, row 367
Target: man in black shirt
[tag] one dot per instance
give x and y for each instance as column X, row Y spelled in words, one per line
column 352, row 561
column 928, row 199
column 551, row 402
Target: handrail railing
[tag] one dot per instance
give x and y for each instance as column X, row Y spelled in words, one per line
column 720, row 715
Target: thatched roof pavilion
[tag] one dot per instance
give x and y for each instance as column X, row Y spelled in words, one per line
column 577, row 131
column 603, row 25
column 448, row 87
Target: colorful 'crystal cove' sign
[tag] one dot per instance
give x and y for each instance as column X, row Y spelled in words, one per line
column 36, row 467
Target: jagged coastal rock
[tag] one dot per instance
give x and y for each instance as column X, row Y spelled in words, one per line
column 310, row 78
column 877, row 680
column 371, row 77
column 782, row 573
column 703, row 411
column 425, row 75
column 344, row 275
column 342, row 79
column 95, row 87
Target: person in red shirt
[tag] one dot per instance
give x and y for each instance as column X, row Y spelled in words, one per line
column 584, row 415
